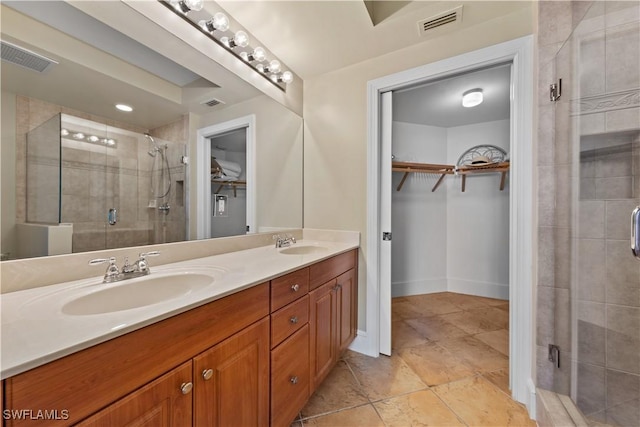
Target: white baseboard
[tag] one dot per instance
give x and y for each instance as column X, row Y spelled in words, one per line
column 419, row 287
column 482, row 289
column 531, row 404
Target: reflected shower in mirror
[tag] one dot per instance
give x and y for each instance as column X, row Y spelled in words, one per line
column 88, row 185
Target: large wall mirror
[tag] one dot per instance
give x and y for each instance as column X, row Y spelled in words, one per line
column 78, row 174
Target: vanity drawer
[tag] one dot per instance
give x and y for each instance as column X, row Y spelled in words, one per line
column 289, row 288
column 289, row 319
column 331, row 268
column 290, row 377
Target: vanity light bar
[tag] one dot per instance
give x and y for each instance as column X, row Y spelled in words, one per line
column 93, row 139
column 236, row 43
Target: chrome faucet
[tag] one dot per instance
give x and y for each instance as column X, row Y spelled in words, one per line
column 128, row 271
column 283, row 242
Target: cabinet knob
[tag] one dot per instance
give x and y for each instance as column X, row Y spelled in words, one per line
column 295, row 287
column 293, row 380
column 186, row 388
column 207, row 374
column 294, row 319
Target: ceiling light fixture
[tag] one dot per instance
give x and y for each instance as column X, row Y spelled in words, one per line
column 124, row 107
column 471, row 98
column 217, row 28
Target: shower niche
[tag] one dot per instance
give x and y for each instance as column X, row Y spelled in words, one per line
column 112, row 186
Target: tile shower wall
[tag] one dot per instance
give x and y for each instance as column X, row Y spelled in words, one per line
column 95, row 180
column 588, row 166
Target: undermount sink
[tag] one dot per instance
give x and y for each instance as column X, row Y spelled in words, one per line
column 303, row 250
column 135, row 293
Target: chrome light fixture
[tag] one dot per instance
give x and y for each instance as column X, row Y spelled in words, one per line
column 472, row 98
column 217, row 28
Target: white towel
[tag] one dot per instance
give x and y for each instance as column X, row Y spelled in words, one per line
column 230, row 168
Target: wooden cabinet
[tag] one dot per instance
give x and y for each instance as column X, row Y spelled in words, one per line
column 92, row 379
column 252, row 358
column 164, row 402
column 290, row 380
column 333, row 313
column 232, row 380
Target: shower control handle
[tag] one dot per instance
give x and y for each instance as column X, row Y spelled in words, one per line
column 635, row 232
column 112, row 216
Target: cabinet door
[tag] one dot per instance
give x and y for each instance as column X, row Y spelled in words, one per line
column 289, row 378
column 232, row 380
column 164, row 402
column 347, row 309
column 322, row 322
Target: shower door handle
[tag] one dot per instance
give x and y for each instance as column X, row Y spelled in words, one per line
column 635, row 232
column 112, row 216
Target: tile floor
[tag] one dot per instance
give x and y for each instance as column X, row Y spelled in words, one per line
column 449, row 367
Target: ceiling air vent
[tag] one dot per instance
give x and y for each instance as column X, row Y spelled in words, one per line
column 25, row 58
column 212, row 102
column 448, row 17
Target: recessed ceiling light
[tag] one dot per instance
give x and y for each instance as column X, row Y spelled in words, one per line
column 471, row 98
column 124, row 107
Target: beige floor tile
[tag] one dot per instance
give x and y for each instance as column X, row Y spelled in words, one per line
column 422, row 408
column 465, row 302
column 338, row 391
column 494, row 315
column 432, row 304
column 435, row 365
column 403, row 335
column 476, row 353
column 404, row 310
column 436, row 328
column 500, row 379
column 472, row 321
column 479, row 403
column 498, row 340
column 356, row 417
column 382, row 377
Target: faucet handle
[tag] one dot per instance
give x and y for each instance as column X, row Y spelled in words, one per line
column 112, row 270
column 142, row 264
column 146, row 254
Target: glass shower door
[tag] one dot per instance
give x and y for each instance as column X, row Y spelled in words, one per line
column 600, row 126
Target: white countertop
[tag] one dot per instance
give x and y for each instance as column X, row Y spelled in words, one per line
column 35, row 330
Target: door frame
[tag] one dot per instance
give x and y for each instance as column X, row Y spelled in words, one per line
column 203, row 172
column 522, row 239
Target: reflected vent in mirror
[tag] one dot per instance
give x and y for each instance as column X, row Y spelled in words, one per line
column 25, row 58
column 448, row 17
column 212, row 102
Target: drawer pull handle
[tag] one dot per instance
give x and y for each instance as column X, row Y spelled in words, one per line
column 293, row 380
column 295, row 288
column 207, row 374
column 294, row 319
column 186, row 388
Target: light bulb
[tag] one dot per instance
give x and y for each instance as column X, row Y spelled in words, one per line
column 78, row 135
column 93, row 138
column 259, row 54
column 194, row 4
column 241, row 39
column 471, row 98
column 274, row 66
column 64, row 132
column 220, row 21
column 287, row 77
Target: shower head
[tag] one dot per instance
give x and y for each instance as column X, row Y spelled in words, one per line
column 154, row 149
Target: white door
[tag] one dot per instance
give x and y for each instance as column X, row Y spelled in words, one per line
column 386, row 124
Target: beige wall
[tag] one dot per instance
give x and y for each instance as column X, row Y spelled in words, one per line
column 278, row 160
column 8, row 160
column 335, row 133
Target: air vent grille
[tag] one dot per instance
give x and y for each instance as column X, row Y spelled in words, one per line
column 448, row 17
column 25, row 58
column 212, row 102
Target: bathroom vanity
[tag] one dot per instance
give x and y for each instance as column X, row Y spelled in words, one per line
column 251, row 357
